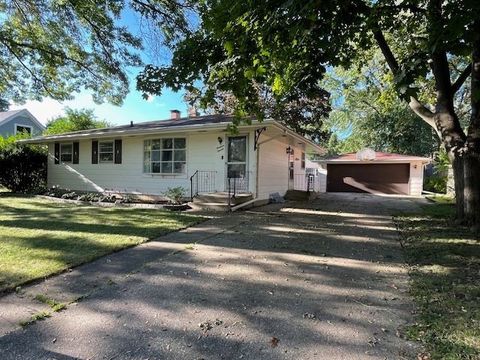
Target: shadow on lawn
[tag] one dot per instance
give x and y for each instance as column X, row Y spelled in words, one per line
column 445, row 263
column 40, row 238
column 338, row 261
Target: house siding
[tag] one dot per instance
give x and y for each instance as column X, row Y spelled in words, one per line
column 8, row 128
column 273, row 169
column 204, row 153
column 416, row 178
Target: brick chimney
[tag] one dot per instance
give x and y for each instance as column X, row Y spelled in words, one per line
column 192, row 112
column 174, row 114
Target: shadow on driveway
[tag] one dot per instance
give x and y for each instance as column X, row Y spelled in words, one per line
column 323, row 280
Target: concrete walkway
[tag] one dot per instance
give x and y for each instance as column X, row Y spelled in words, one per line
column 323, row 280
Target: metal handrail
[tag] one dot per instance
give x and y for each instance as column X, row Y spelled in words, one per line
column 192, row 195
column 202, row 181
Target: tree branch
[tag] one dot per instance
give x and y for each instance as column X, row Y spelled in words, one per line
column 462, row 78
column 386, row 51
column 34, row 76
column 424, row 113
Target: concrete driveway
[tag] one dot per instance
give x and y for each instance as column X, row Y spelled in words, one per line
column 319, row 280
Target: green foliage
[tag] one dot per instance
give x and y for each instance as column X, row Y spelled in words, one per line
column 24, row 167
column 74, row 120
column 4, row 105
column 242, row 44
column 176, row 194
column 304, row 115
column 368, row 112
column 435, row 183
column 53, row 48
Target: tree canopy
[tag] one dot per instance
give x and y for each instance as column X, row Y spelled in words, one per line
column 74, row 120
column 367, row 112
column 288, row 45
column 52, row 48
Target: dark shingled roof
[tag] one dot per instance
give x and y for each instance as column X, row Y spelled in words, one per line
column 159, row 124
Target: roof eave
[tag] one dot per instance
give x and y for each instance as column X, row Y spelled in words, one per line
column 139, row 132
column 391, row 161
column 317, row 148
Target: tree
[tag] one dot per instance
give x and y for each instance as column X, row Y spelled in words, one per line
column 368, row 112
column 24, row 167
column 74, row 120
column 53, row 48
column 4, row 105
column 288, row 45
column 304, row 115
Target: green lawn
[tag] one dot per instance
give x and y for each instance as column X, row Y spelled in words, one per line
column 445, row 282
column 40, row 237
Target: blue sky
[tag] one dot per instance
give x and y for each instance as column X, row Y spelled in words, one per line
column 134, row 108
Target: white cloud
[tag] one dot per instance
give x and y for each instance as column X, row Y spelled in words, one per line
column 44, row 110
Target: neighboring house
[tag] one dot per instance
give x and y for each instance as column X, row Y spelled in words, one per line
column 197, row 153
column 374, row 172
column 18, row 121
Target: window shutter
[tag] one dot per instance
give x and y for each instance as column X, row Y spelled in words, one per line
column 56, row 153
column 94, row 152
column 76, row 150
column 118, row 151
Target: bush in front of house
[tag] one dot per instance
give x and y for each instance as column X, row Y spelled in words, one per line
column 23, row 167
column 176, row 194
column 106, row 197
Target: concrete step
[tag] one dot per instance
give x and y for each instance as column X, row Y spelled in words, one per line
column 300, row 195
column 219, row 200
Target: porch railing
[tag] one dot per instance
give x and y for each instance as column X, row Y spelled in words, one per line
column 306, row 182
column 202, row 181
column 237, row 185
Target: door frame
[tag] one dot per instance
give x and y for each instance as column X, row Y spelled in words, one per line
column 247, row 162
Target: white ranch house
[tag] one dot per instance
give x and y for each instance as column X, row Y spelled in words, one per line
column 197, row 153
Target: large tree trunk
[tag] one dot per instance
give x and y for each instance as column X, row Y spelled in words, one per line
column 459, row 181
column 472, row 188
column 453, row 139
column 472, row 151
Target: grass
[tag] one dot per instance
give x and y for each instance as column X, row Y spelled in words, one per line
column 40, row 237
column 444, row 261
column 441, row 199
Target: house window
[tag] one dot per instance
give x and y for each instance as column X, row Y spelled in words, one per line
column 66, row 152
column 105, row 151
column 23, row 129
column 165, row 156
column 303, row 160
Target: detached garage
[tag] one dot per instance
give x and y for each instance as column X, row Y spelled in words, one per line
column 375, row 172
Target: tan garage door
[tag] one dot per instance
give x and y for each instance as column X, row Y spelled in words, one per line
column 370, row 178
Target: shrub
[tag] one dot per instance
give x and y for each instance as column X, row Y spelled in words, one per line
column 176, row 194
column 23, row 167
column 436, row 184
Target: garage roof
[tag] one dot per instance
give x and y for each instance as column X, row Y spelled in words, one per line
column 380, row 157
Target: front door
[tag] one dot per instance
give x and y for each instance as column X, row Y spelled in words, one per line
column 237, row 173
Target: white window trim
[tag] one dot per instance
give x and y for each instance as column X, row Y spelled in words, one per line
column 182, row 174
column 60, row 153
column 25, row 126
column 113, row 152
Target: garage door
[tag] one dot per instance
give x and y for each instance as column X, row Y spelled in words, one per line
column 371, row 178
